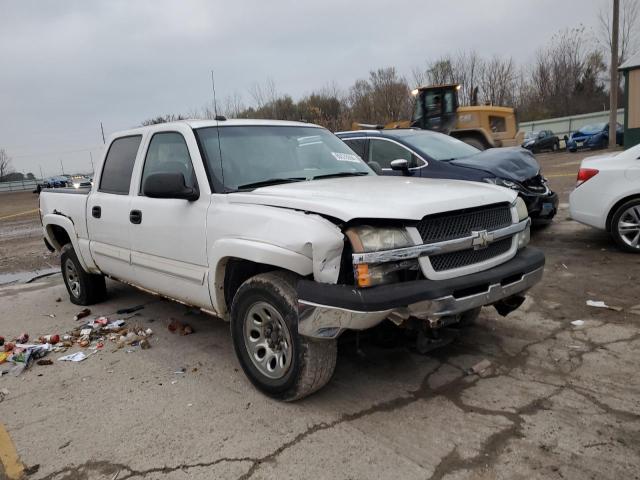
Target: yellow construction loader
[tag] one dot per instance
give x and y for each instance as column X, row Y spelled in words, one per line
column 436, row 108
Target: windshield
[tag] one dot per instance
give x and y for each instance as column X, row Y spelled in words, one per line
column 593, row 128
column 531, row 135
column 251, row 156
column 439, row 146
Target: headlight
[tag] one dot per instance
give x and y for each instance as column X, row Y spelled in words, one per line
column 521, row 208
column 502, row 182
column 366, row 238
column 76, row 185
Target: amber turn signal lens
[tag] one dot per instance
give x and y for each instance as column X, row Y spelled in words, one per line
column 362, row 275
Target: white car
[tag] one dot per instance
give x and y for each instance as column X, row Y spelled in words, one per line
column 607, row 196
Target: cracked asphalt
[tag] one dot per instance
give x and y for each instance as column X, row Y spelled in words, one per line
column 558, row 401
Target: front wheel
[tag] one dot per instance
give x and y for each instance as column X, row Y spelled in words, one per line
column 625, row 226
column 264, row 327
column 84, row 288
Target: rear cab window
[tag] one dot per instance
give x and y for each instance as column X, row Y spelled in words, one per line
column 118, row 165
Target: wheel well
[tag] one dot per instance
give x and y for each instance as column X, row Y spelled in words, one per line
column 59, row 235
column 615, row 207
column 237, row 271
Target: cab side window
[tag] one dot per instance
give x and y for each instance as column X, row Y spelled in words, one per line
column 118, row 165
column 385, row 152
column 168, row 153
column 357, row 146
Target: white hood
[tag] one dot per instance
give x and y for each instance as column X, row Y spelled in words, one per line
column 376, row 196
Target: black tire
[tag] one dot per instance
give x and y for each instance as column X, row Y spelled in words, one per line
column 312, row 362
column 474, row 142
column 84, row 288
column 615, row 232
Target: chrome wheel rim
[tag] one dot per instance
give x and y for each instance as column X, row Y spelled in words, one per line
column 71, row 274
column 629, row 226
column 267, row 340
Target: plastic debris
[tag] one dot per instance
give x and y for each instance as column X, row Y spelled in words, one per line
column 44, row 361
column 578, row 323
column 74, row 357
column 82, row 313
column 23, row 338
column 601, row 304
column 144, row 344
column 176, row 326
column 124, row 311
column 479, row 367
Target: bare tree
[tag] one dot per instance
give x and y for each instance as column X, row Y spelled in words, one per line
column 5, row 164
column 629, row 31
column 264, row 95
column 497, row 81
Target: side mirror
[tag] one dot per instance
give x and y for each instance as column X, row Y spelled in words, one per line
column 400, row 165
column 375, row 166
column 169, row 185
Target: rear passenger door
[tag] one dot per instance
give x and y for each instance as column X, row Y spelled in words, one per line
column 108, row 209
column 168, row 237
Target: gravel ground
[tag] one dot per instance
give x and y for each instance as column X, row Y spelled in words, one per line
column 558, row 401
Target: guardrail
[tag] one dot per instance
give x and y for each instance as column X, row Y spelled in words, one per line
column 562, row 126
column 19, row 185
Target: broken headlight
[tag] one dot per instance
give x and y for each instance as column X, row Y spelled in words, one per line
column 366, row 238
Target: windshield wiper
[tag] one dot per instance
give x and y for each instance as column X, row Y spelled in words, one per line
column 341, row 174
column 271, row 181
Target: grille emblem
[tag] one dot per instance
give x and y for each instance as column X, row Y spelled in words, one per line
column 481, row 239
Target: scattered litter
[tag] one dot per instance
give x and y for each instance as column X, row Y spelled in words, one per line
column 58, row 300
column 565, row 267
column 52, row 339
column 479, row 367
column 3, row 393
column 124, row 311
column 173, row 382
column 144, row 344
column 23, row 338
column 115, row 325
column 44, row 361
column 176, row 326
column 601, row 304
column 86, row 331
column 189, row 404
column 578, row 323
column 182, row 370
column 82, row 313
column 74, row 357
column 1, row 341
column 52, row 315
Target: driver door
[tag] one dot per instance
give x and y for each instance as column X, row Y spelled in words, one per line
column 168, row 235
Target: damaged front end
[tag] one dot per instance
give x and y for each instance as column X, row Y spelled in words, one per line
column 433, row 271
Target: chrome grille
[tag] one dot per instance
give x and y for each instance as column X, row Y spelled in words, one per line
column 463, row 258
column 450, row 225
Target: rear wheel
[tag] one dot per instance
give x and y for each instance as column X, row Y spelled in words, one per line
column 84, row 288
column 625, row 226
column 264, row 327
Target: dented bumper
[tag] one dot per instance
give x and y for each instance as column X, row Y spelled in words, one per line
column 326, row 310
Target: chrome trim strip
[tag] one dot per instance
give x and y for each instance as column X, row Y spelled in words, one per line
column 478, row 239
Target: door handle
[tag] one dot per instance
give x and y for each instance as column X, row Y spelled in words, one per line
column 96, row 212
column 135, row 216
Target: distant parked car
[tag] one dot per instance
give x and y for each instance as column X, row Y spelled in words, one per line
column 56, row 182
column 422, row 153
column 542, row 140
column 607, row 196
column 593, row 136
column 80, row 181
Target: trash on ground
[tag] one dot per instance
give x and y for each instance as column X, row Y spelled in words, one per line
column 51, row 315
column 44, row 361
column 82, row 313
column 23, row 338
column 578, row 323
column 176, row 326
column 74, row 357
column 123, row 311
column 601, row 304
column 1, row 341
column 479, row 367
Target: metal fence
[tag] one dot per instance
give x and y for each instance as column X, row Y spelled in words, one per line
column 19, row 185
column 562, row 126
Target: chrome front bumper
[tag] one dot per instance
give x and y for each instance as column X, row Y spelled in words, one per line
column 326, row 321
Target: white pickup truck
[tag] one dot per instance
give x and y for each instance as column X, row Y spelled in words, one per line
column 281, row 229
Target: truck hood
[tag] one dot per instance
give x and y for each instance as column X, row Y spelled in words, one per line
column 376, row 197
column 510, row 163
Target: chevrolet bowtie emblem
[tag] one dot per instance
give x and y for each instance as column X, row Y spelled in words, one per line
column 481, row 239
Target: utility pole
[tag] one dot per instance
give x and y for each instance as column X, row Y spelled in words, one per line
column 613, row 86
column 41, row 175
column 62, row 166
column 93, row 171
column 102, row 130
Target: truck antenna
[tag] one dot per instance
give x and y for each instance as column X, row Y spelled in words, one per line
column 215, row 103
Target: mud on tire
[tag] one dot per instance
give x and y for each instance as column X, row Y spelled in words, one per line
column 309, row 364
column 84, row 288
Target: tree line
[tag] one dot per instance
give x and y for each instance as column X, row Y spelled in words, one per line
column 568, row 76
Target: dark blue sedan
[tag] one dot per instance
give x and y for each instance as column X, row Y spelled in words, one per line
column 593, row 136
column 424, row 153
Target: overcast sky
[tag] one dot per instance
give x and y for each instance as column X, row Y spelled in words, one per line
column 65, row 66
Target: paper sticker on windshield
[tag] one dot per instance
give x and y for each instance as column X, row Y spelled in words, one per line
column 346, row 157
